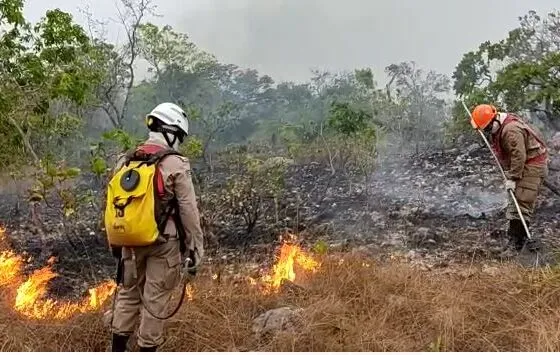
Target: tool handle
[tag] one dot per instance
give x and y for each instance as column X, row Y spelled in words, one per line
column 119, row 273
column 518, row 208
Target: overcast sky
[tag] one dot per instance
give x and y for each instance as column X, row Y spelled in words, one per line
column 285, row 38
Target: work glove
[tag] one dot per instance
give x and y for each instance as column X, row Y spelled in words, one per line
column 510, row 185
column 191, row 263
column 117, row 252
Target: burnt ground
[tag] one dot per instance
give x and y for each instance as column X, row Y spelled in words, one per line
column 439, row 208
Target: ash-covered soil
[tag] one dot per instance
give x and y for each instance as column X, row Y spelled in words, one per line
column 440, row 208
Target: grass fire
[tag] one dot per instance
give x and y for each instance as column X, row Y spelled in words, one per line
column 31, row 301
column 350, row 303
column 290, row 256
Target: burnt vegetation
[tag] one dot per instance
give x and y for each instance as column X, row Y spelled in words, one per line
column 390, row 176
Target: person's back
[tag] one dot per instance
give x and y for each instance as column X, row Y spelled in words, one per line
column 153, row 271
column 522, row 144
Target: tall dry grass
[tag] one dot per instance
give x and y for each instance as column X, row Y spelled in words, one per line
column 348, row 306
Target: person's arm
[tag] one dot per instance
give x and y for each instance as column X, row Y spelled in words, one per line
column 188, row 210
column 514, row 143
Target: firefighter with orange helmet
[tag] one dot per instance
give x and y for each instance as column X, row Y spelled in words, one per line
column 524, row 158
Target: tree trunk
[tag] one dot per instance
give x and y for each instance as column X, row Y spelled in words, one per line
column 25, row 140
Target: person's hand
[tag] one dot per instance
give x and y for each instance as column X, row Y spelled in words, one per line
column 191, row 263
column 510, row 185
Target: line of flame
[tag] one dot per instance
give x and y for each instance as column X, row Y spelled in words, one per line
column 30, row 298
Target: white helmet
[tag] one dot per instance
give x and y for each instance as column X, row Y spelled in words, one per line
column 169, row 118
column 171, row 115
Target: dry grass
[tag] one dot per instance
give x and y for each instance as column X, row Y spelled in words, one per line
column 348, row 307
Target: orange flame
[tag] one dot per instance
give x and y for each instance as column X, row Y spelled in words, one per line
column 190, row 292
column 10, row 267
column 30, row 295
column 30, row 299
column 290, row 255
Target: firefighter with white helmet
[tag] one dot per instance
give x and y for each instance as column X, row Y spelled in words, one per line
column 151, row 272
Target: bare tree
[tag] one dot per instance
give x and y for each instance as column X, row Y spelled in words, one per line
column 118, row 63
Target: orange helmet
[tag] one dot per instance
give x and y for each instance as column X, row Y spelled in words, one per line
column 483, row 115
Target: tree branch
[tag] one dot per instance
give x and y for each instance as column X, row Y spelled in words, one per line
column 25, row 139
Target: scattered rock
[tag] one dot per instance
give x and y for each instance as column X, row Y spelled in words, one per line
column 412, row 255
column 277, row 320
column 473, row 147
column 490, row 270
column 396, row 300
column 555, row 141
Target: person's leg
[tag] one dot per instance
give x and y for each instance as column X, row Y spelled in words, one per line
column 163, row 275
column 127, row 306
column 516, row 233
column 526, row 193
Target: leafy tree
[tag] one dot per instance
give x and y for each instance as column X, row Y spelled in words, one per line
column 518, row 73
column 53, row 176
column 347, row 121
column 535, row 86
column 168, row 52
column 164, row 48
column 216, row 122
column 254, row 182
column 192, row 148
column 45, row 77
column 116, row 77
column 352, row 140
column 419, row 103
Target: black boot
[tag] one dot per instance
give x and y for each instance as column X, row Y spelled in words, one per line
column 517, row 234
column 149, row 349
column 119, row 342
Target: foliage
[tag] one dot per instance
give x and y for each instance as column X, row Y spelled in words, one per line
column 125, row 141
column 298, row 137
column 418, row 103
column 347, row 121
column 519, row 73
column 320, row 247
column 45, row 76
column 351, row 142
column 253, row 182
column 225, row 117
column 117, row 63
column 115, row 76
column 346, row 141
column 192, row 148
column 98, row 162
column 165, row 49
column 56, row 177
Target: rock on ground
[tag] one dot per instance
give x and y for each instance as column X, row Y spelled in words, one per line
column 277, row 320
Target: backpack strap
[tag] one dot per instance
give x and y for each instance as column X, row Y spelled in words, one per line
column 172, row 207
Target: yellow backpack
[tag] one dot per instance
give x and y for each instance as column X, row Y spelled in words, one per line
column 135, row 214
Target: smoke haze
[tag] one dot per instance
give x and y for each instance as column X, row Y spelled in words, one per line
column 286, row 38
